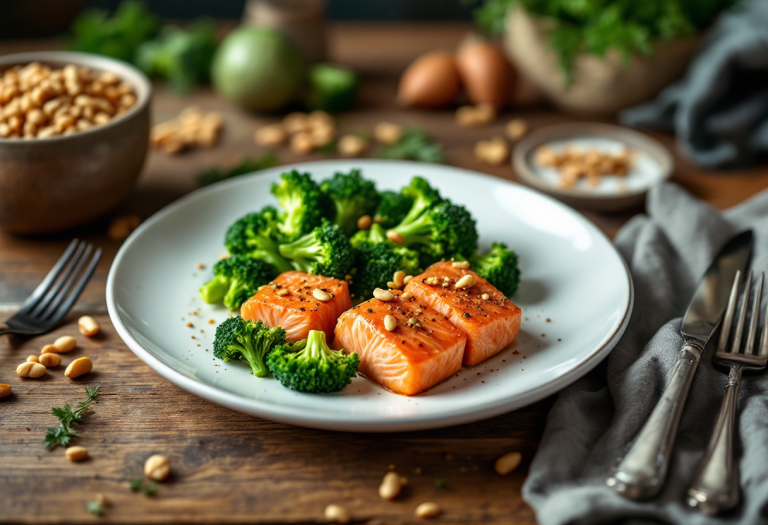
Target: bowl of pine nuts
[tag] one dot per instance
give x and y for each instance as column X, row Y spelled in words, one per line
column 74, row 133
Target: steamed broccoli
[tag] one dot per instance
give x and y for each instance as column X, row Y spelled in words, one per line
column 444, row 231
column 393, row 208
column 424, row 197
column 256, row 235
column 499, row 267
column 250, row 341
column 236, row 278
column 323, row 251
column 304, row 205
column 353, row 196
column 311, row 366
column 377, row 259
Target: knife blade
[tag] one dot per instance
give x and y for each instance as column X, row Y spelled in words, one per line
column 640, row 474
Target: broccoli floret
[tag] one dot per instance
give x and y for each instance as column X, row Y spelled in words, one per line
column 304, row 205
column 250, row 341
column 236, row 278
column 256, row 235
column 499, row 267
column 377, row 259
column 353, row 196
column 444, row 231
column 393, row 208
column 424, row 197
column 323, row 251
column 375, row 234
column 310, row 366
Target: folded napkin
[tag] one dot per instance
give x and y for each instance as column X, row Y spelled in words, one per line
column 593, row 421
column 719, row 111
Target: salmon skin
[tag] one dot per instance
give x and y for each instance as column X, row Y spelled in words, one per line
column 423, row 350
column 298, row 311
column 490, row 324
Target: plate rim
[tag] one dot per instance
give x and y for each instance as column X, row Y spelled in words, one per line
column 309, row 419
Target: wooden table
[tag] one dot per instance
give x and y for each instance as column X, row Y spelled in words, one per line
column 230, row 467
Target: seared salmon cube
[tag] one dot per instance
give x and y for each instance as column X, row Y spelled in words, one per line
column 422, row 350
column 489, row 320
column 299, row 302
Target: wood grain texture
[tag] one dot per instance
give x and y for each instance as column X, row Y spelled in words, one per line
column 233, row 468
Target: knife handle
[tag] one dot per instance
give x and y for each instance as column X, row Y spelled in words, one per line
column 641, row 473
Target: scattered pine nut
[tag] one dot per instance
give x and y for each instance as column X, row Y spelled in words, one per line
column 33, row 359
column 320, row 295
column 120, row 228
column 494, row 152
column 406, row 296
column 281, row 292
column 64, row 344
column 5, row 390
column 337, row 514
column 31, row 370
column 157, row 467
column 460, row 264
column 508, row 462
column 407, row 279
column 465, row 282
column 390, row 323
column 48, row 349
column 392, row 285
column 432, row 280
column 394, row 236
column 364, row 222
column 88, row 326
column 75, row 454
column 428, row 510
column 517, row 128
column 387, row 133
column 50, row 360
column 352, row 145
column 485, row 297
column 473, row 116
column 390, row 486
column 271, row 136
column 79, row 367
column 191, row 129
column 399, row 278
column 383, row 295
column 302, row 143
column 296, row 122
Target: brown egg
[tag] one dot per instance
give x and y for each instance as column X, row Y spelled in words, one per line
column 486, row 73
column 431, row 81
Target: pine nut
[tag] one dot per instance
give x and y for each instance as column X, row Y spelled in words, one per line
column 432, row 280
column 88, row 326
column 465, row 282
column 78, row 367
column 157, row 467
column 392, row 285
column 5, row 390
column 321, row 295
column 76, row 453
column 390, row 486
column 390, row 323
column 64, row 344
column 387, row 133
column 337, row 514
column 383, row 295
column 31, row 370
column 485, row 297
column 48, row 349
column 406, row 296
column 50, row 360
column 428, row 510
column 508, row 462
column 460, row 264
column 364, row 222
column 282, row 292
column 396, row 237
column 399, row 278
column 33, row 359
column 407, row 279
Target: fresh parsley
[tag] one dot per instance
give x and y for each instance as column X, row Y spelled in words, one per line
column 247, row 165
column 95, row 507
column 414, row 144
column 68, row 419
column 137, row 484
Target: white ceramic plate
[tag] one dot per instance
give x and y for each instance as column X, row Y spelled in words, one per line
column 576, row 297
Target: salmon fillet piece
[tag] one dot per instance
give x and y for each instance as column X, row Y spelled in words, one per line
column 410, row 359
column 489, row 324
column 298, row 311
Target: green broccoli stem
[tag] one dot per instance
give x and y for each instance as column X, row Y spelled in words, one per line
column 346, row 215
column 269, row 252
column 377, row 233
column 418, row 231
column 316, row 347
column 417, row 211
column 302, row 251
column 236, row 289
column 214, row 291
column 255, row 358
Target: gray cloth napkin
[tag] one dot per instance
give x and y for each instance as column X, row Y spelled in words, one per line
column 719, row 111
column 593, row 421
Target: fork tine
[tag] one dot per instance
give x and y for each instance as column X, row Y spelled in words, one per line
column 57, row 300
column 84, row 279
column 43, row 303
column 764, row 340
column 46, row 283
column 725, row 333
column 749, row 347
column 742, row 316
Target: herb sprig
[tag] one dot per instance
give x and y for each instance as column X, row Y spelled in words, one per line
column 414, row 144
column 68, row 418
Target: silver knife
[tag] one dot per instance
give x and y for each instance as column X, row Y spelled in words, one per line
column 641, row 473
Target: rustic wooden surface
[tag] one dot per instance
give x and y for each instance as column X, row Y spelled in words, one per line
column 229, row 467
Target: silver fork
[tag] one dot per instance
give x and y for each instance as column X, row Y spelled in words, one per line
column 56, row 295
column 715, row 487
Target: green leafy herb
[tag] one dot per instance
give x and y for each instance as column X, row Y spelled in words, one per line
column 137, row 484
column 68, row 418
column 247, row 165
column 414, row 144
column 95, row 507
column 597, row 26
